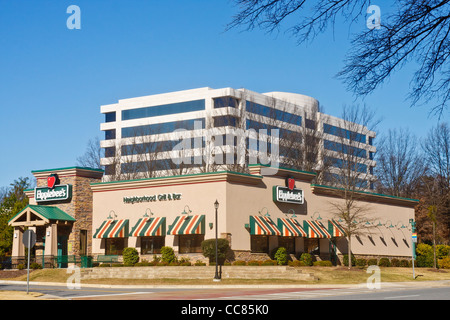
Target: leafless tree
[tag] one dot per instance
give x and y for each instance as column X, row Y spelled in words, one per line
column 436, row 185
column 415, row 30
column 400, row 166
column 350, row 172
column 93, row 154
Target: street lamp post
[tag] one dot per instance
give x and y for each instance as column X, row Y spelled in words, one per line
column 413, row 242
column 216, row 276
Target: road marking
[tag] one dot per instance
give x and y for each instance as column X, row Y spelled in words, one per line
column 400, row 297
column 107, row 295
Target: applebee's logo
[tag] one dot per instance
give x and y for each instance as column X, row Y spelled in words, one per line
column 52, row 181
column 290, row 183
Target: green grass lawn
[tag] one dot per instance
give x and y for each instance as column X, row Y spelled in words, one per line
column 326, row 275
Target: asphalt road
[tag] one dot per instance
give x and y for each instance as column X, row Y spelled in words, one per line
column 429, row 291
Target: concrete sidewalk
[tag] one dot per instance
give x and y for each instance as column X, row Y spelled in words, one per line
column 218, row 285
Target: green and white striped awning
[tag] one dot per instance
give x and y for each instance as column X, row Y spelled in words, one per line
column 290, row 228
column 336, row 229
column 187, row 225
column 112, row 229
column 149, row 227
column 315, row 229
column 263, row 226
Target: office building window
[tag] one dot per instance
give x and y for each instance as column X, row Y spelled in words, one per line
column 110, row 117
column 225, row 121
column 224, row 102
column 163, row 110
column 343, row 133
column 273, row 113
column 343, row 148
column 166, row 127
column 110, row 134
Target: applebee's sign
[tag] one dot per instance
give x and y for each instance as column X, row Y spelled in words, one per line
column 288, row 194
column 53, row 191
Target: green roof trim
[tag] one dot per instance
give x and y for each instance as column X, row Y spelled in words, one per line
column 69, row 168
column 48, row 212
column 283, row 168
column 366, row 192
column 179, row 176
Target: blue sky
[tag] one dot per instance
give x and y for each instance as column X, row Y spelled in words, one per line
column 53, row 80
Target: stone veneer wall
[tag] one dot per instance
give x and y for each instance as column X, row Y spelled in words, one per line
column 80, row 207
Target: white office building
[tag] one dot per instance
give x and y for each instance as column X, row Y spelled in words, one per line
column 208, row 129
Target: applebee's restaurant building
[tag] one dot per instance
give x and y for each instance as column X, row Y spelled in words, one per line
column 75, row 214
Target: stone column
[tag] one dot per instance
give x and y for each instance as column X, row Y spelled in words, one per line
column 18, row 247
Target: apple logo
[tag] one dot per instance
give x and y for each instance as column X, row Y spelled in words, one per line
column 290, row 183
column 52, row 180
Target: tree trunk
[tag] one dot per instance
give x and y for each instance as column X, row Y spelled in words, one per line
column 349, row 252
column 434, row 244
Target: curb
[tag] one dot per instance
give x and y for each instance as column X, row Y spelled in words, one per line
column 439, row 283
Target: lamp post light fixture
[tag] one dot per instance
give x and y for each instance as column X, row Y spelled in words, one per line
column 146, row 213
column 216, row 275
column 112, row 215
column 267, row 212
column 293, row 213
column 186, row 212
column 314, row 214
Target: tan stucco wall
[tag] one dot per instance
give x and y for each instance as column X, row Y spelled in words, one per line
column 239, row 198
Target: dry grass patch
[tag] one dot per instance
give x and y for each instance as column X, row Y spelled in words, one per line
column 326, row 275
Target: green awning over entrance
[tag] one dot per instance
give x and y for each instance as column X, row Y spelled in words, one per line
column 43, row 214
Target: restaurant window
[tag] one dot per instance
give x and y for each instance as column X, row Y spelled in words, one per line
column 191, row 243
column 114, row 246
column 259, row 244
column 312, row 246
column 83, row 242
column 288, row 243
column 152, row 244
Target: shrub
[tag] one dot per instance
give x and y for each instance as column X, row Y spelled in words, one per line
column 239, row 263
column 296, row 263
column 425, row 261
column 444, row 263
column 167, row 255
column 118, row 265
column 384, row 262
column 405, row 263
column 269, row 262
column 306, row 259
column 395, row 263
column 442, row 251
column 345, row 260
column 199, row 263
column 372, row 262
column 21, row 266
column 254, row 263
column 361, row 262
column 323, row 263
column 143, row 263
column 35, row 266
column 281, row 256
column 423, row 249
column 209, row 249
column 130, row 256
